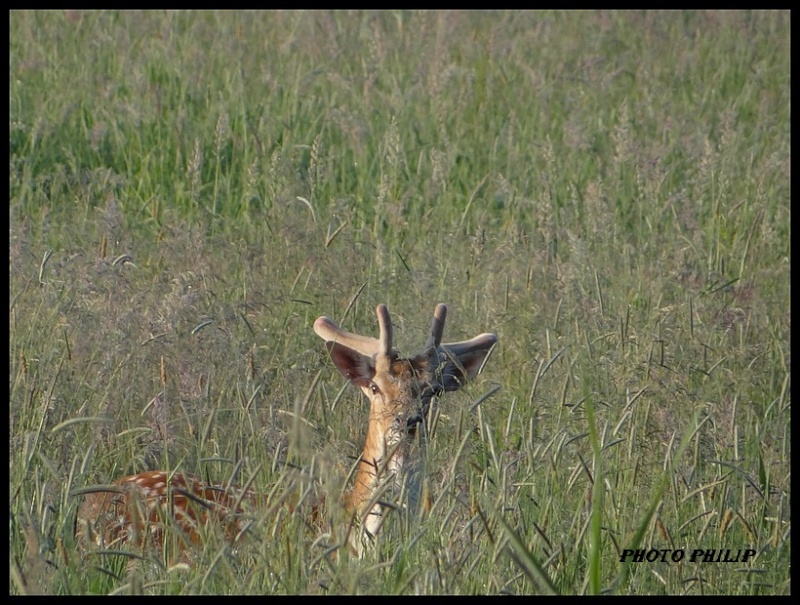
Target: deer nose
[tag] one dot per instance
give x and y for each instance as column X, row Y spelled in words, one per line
column 411, row 424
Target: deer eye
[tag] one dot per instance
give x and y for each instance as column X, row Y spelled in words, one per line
column 374, row 388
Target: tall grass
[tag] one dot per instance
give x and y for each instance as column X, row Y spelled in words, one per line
column 608, row 192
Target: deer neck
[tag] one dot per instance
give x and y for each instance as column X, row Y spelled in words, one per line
column 385, row 473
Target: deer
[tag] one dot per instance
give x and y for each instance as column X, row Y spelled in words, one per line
column 400, row 390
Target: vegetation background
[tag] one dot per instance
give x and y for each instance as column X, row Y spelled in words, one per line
column 607, row 191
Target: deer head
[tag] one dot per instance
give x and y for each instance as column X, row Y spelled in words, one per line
column 399, row 390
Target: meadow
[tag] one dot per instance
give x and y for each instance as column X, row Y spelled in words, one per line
column 608, row 192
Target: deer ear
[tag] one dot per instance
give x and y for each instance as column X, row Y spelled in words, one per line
column 354, row 366
column 462, row 368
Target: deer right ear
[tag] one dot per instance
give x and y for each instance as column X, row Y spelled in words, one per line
column 354, row 366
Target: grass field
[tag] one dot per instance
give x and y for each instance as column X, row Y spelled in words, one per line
column 607, row 192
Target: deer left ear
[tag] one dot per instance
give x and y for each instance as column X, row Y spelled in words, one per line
column 354, row 366
column 462, row 368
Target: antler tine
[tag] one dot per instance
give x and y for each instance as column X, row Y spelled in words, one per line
column 385, row 323
column 437, row 327
column 327, row 329
column 480, row 342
